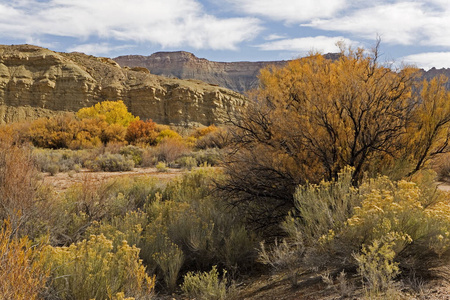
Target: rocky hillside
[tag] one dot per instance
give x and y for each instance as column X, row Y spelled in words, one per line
column 237, row 76
column 34, row 81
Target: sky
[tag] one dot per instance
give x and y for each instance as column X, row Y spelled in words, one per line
column 413, row 32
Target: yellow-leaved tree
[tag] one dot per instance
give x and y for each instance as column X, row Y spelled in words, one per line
column 314, row 116
column 114, row 112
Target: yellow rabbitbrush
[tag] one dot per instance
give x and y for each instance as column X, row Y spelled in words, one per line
column 91, row 269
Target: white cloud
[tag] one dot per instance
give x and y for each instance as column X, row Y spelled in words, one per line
column 290, row 11
column 429, row 60
column 168, row 23
column 405, row 23
column 319, row 43
column 272, row 37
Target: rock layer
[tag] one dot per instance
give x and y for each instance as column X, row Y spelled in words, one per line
column 35, row 77
column 237, row 76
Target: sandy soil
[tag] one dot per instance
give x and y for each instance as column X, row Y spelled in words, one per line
column 444, row 186
column 62, row 181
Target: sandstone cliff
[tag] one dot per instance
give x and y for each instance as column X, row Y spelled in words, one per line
column 44, row 80
column 237, row 76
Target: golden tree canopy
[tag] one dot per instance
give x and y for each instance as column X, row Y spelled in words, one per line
column 114, row 112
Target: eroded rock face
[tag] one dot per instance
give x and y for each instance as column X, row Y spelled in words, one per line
column 34, row 77
column 237, row 76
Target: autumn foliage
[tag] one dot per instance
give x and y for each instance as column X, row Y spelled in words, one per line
column 22, row 271
column 114, row 112
column 141, row 132
column 314, row 116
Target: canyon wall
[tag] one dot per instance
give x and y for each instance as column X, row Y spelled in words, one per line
column 34, row 81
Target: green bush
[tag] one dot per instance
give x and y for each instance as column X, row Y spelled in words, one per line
column 161, row 167
column 121, row 228
column 207, row 232
column 138, row 190
column 90, row 269
column 168, row 257
column 60, row 160
column 206, row 285
column 135, row 153
column 178, row 227
column 210, row 156
column 376, row 264
column 111, row 163
column 81, row 205
column 187, row 162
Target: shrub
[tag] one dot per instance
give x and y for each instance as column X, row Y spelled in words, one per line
column 206, row 285
column 18, row 188
column 91, row 269
column 140, row 132
column 376, row 264
column 169, row 258
column 187, row 162
column 212, row 137
column 135, row 153
column 442, row 167
column 68, row 132
column 167, row 134
column 161, row 167
column 113, row 133
column 81, row 205
column 52, row 133
column 121, row 228
column 169, row 149
column 206, row 231
column 202, row 131
column 111, row 163
column 283, row 256
column 210, row 156
column 406, row 223
column 61, row 160
column 22, row 271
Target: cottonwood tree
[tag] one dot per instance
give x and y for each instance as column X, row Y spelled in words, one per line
column 314, row 116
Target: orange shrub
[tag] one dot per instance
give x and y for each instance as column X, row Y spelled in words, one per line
column 141, row 132
column 54, row 133
column 200, row 132
column 68, row 132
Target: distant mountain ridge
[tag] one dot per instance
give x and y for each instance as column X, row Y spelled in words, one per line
column 433, row 72
column 35, row 81
column 237, row 76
